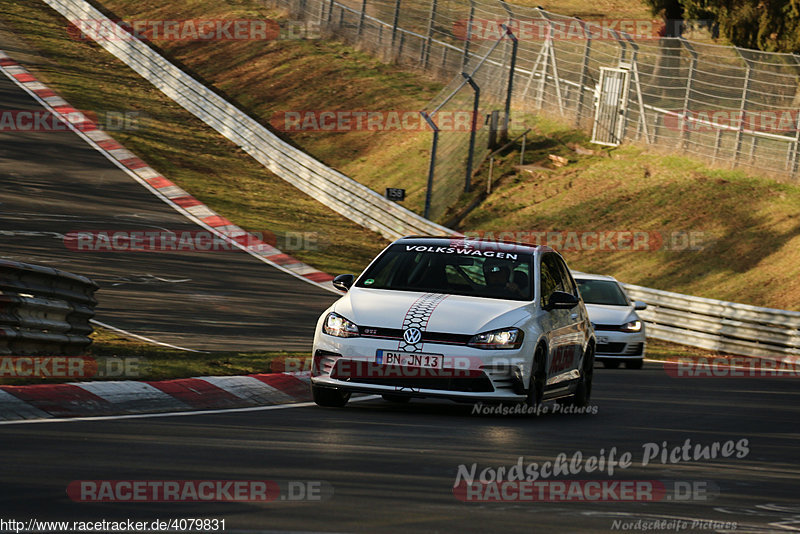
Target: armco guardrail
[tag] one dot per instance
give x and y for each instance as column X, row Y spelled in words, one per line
column 44, row 310
column 718, row 325
column 340, row 193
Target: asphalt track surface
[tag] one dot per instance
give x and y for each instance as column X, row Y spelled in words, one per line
column 392, row 467
column 52, row 183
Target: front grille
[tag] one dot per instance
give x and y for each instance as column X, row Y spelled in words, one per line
column 626, row 349
column 427, row 337
column 608, row 327
column 361, row 372
column 610, row 348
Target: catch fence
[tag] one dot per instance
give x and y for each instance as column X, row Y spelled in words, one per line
column 727, row 105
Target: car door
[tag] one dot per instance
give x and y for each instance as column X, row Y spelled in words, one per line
column 576, row 320
column 558, row 323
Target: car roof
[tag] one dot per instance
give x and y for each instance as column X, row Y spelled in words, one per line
column 589, row 276
column 456, row 240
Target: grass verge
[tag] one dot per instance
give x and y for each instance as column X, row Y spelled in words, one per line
column 664, row 350
column 120, row 358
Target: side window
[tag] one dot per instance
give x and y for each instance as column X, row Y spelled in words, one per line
column 568, row 282
column 549, row 277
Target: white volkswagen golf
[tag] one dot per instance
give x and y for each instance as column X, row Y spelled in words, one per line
column 466, row 320
column 621, row 335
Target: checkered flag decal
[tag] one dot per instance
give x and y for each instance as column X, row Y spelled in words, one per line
column 417, row 317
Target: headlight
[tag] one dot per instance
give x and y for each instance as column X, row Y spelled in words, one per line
column 507, row 338
column 336, row 325
column 633, row 326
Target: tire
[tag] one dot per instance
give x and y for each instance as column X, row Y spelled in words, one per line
column 400, row 399
column 634, row 364
column 583, row 393
column 611, row 364
column 538, row 378
column 329, row 397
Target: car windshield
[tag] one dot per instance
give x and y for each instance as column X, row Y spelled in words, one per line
column 480, row 272
column 605, row 292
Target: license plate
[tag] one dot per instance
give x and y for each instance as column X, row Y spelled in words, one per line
column 602, row 339
column 409, row 359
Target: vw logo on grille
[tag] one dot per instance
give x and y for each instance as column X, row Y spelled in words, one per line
column 412, row 335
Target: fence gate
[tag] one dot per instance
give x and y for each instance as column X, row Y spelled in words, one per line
column 611, row 102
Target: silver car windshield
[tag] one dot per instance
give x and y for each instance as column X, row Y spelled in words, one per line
column 452, row 270
column 605, row 292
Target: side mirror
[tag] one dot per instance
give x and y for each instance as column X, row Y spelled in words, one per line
column 343, row 282
column 560, row 300
column 639, row 305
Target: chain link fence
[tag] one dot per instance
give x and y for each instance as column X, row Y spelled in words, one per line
column 461, row 117
column 731, row 106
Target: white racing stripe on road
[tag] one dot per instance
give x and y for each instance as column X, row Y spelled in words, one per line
column 36, row 86
column 122, row 153
column 56, row 101
column 137, row 336
column 176, row 414
column 719, row 366
column 173, row 191
column 133, row 397
column 97, row 135
column 200, row 211
column 146, row 172
column 248, row 388
column 12, row 406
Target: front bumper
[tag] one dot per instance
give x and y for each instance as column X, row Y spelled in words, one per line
column 620, row 345
column 468, row 374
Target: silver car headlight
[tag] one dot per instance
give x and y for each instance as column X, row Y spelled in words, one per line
column 633, row 326
column 338, row 326
column 506, row 338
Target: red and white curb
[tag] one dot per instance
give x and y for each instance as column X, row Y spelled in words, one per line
column 160, row 186
column 94, row 399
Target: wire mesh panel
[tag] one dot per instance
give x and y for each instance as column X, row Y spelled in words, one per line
column 460, row 113
column 724, row 104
